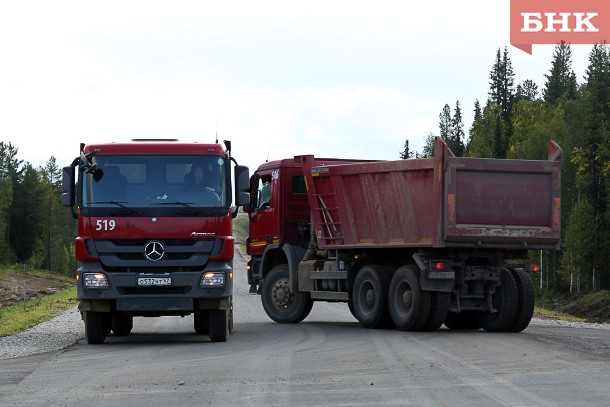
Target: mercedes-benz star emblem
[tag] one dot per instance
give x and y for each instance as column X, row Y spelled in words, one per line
column 154, row 251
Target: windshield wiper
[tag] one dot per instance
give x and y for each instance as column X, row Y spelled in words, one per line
column 187, row 204
column 119, row 203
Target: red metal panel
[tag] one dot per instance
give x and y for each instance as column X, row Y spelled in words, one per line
column 389, row 204
column 156, row 147
column 503, row 203
column 438, row 202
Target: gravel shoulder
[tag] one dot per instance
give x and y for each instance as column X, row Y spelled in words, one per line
column 58, row 333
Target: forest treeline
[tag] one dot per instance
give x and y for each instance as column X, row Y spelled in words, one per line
column 517, row 121
column 35, row 229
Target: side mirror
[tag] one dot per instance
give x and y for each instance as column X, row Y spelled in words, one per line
column 242, row 185
column 67, row 184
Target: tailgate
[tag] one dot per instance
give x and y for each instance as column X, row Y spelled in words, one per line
column 502, row 203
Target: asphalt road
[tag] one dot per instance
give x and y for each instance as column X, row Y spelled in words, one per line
column 328, row 359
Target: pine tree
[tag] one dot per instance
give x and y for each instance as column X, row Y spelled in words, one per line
column 444, row 123
column 561, row 82
column 10, row 173
column 484, row 132
column 428, row 150
column 27, row 214
column 592, row 157
column 501, row 82
column 457, row 132
column 476, row 119
column 528, row 90
column 406, row 152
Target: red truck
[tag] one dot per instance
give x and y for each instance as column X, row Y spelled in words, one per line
column 154, row 233
column 411, row 244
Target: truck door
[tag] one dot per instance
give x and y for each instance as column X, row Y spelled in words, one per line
column 264, row 213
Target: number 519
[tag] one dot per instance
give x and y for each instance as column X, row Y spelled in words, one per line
column 105, row 224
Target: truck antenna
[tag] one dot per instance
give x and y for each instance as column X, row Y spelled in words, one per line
column 269, row 151
column 216, row 130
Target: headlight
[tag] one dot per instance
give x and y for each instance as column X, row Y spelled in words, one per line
column 213, row 279
column 95, row 280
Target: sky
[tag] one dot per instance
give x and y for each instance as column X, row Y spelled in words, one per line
column 346, row 79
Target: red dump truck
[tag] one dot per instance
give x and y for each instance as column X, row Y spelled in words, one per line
column 413, row 244
column 154, row 233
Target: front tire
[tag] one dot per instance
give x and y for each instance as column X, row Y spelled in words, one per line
column 279, row 303
column 96, row 324
column 219, row 325
column 201, row 321
column 370, row 297
column 122, row 325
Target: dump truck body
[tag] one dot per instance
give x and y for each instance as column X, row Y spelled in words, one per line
column 413, row 243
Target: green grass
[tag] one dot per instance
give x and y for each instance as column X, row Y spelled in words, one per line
column 589, row 307
column 546, row 313
column 18, row 269
column 22, row 316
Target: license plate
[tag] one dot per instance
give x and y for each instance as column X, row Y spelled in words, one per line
column 154, row 281
column 441, row 275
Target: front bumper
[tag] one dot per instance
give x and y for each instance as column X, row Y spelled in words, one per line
column 183, row 295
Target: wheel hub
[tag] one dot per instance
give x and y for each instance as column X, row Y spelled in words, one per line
column 281, row 295
column 407, row 298
column 370, row 297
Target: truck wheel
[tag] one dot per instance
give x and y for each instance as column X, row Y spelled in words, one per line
column 122, row 325
column 231, row 320
column 95, row 326
column 505, row 301
column 219, row 325
column 526, row 299
column 468, row 320
column 438, row 311
column 201, row 321
column 409, row 305
column 370, row 297
column 279, row 303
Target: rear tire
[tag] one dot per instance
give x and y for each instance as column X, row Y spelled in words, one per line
column 526, row 299
column 122, row 325
column 219, row 325
column 201, row 321
column 409, row 305
column 438, row 311
column 96, row 324
column 505, row 301
column 279, row 303
column 370, row 297
column 467, row 320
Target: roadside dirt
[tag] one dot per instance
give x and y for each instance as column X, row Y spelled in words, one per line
column 13, row 285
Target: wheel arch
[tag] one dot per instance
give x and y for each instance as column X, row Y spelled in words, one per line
column 286, row 253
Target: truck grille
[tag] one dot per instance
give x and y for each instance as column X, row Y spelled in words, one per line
column 128, row 255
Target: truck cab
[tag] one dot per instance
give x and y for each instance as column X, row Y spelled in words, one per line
column 278, row 211
column 154, row 233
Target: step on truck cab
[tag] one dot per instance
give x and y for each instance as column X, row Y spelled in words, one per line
column 413, row 244
column 154, row 233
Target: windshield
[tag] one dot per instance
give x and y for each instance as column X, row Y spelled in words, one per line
column 144, row 181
